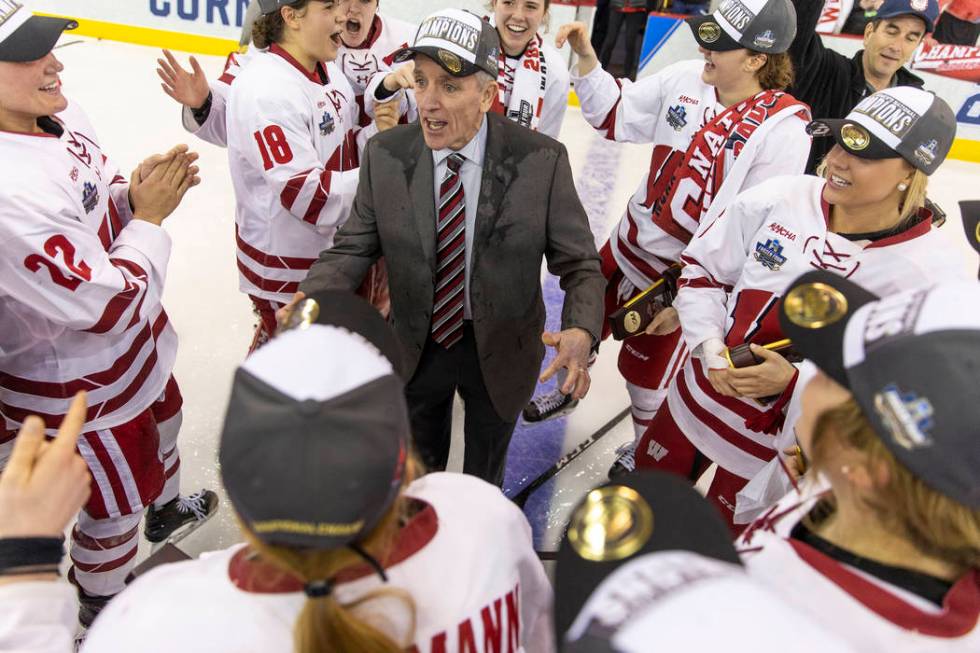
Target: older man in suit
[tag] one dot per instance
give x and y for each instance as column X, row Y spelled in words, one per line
column 463, row 206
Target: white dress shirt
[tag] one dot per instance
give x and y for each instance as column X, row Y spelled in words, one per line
column 472, row 175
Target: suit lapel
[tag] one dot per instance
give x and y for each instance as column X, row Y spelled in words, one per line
column 497, row 177
column 418, row 169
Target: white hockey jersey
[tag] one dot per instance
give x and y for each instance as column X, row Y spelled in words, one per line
column 466, row 560
column 293, row 145
column 359, row 65
column 735, row 271
column 80, row 282
column 865, row 611
column 668, row 109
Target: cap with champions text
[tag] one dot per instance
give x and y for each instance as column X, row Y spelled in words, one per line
column 647, row 561
column 767, row 26
column 314, row 443
column 903, row 121
column 459, row 41
column 911, row 360
column 927, row 10
column 25, row 36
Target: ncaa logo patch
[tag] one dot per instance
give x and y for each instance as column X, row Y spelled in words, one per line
column 770, row 254
column 926, row 152
column 907, row 415
column 765, row 40
column 327, row 124
column 90, row 197
column 677, row 117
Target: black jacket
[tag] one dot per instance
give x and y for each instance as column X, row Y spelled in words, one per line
column 828, row 81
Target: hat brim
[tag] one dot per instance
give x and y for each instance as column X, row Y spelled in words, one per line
column 814, row 314
column 447, row 60
column 710, row 35
column 875, row 148
column 34, row 39
column 682, row 521
column 930, row 27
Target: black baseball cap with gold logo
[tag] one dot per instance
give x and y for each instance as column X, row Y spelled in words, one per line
column 641, row 513
column 911, row 360
column 314, row 444
column 900, row 122
column 767, row 26
column 25, row 36
column 459, row 41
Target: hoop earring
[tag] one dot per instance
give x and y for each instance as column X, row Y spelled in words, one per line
column 903, row 187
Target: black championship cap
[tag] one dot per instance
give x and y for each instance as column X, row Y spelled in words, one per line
column 267, row 7
column 904, row 122
column 459, row 41
column 314, row 442
column 26, row 37
column 345, row 309
column 767, row 26
column 647, row 561
column 912, row 361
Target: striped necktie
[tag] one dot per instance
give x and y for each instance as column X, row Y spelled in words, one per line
column 447, row 310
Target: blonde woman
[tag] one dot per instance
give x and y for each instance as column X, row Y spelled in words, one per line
column 345, row 550
column 883, row 537
column 863, row 220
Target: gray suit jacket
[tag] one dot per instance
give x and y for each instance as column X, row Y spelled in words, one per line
column 528, row 208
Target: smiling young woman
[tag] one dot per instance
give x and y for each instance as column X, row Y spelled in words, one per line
column 864, row 221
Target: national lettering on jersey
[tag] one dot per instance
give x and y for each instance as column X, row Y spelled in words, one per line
column 81, row 282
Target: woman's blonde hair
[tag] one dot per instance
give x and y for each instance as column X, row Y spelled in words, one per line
column 913, row 198
column 777, row 73
column 269, row 29
column 326, row 624
column 935, row 524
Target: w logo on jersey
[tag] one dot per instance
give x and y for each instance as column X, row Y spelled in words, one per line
column 770, row 254
column 90, row 197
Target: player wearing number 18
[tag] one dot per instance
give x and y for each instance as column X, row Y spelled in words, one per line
column 863, row 220
column 293, row 141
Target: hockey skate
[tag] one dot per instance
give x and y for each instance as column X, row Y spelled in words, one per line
column 549, row 406
column 625, row 460
column 89, row 605
column 180, row 517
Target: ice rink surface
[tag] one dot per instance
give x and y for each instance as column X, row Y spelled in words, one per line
column 117, row 86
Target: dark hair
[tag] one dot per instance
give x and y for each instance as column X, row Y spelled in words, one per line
column 777, row 73
column 268, row 29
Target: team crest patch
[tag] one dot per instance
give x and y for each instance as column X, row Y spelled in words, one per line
column 920, row 5
column 770, row 254
column 451, row 61
column 926, row 152
column 907, row 415
column 327, row 124
column 709, row 32
column 765, row 40
column 90, row 197
column 677, row 117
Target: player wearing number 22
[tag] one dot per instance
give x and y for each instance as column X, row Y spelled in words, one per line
column 293, row 141
column 864, row 220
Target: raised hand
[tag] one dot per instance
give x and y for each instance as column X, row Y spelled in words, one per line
column 189, row 88
column 577, row 36
column 44, row 484
column 402, row 77
column 386, row 115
